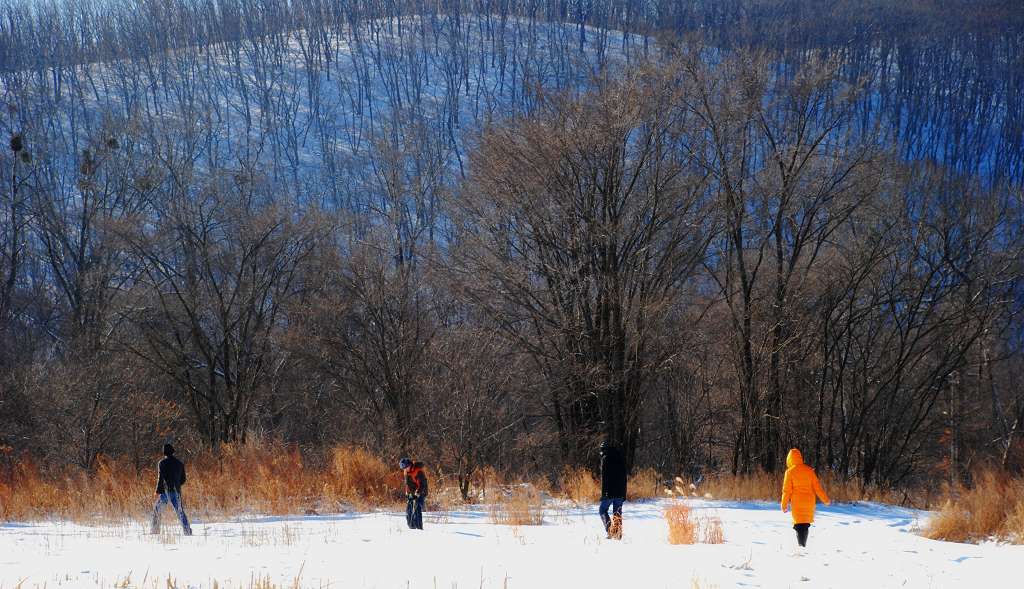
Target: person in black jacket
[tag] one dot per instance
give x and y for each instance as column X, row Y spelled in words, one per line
column 613, row 489
column 171, row 476
column 415, row 491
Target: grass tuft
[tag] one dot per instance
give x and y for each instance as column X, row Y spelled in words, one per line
column 523, row 505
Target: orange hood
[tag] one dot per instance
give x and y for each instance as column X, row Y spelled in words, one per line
column 794, row 458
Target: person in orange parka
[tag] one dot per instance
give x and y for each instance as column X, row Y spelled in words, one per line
column 416, row 491
column 799, row 488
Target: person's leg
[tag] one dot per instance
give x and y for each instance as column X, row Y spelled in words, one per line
column 603, row 511
column 410, row 506
column 615, row 527
column 155, row 525
column 801, row 533
column 175, row 499
column 418, row 515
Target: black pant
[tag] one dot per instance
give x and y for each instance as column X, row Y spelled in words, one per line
column 801, row 533
column 615, row 504
column 414, row 512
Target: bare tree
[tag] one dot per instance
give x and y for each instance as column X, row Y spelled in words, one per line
column 219, row 263
column 578, row 228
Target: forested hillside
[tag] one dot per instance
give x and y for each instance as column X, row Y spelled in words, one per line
column 498, row 232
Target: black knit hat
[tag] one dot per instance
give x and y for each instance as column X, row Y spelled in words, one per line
column 168, row 450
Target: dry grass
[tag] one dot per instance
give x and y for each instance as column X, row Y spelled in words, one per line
column 241, row 478
column 644, row 484
column 579, row 485
column 992, row 508
column 712, row 531
column 768, row 487
column 522, row 505
column 172, row 583
column 682, row 528
column 685, row 528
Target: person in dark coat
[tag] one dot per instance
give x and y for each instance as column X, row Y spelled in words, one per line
column 415, row 491
column 613, row 489
column 171, row 476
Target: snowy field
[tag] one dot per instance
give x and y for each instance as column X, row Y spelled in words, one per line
column 863, row 546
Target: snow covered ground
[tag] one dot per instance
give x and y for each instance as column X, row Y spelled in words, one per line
column 863, row 546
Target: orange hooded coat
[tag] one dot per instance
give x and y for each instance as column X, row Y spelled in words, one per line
column 799, row 488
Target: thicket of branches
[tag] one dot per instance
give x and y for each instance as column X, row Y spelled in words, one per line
column 497, row 233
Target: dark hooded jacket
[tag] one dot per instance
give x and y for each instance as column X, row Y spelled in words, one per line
column 172, row 476
column 613, row 474
column 416, row 480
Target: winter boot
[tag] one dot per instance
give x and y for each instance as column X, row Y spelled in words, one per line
column 615, row 529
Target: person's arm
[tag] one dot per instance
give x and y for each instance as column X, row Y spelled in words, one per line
column 820, row 492
column 160, row 478
column 182, row 482
column 787, row 492
column 604, row 472
column 421, row 486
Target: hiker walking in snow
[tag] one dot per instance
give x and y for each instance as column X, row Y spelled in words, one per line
column 799, row 488
column 416, row 492
column 168, row 489
column 613, row 489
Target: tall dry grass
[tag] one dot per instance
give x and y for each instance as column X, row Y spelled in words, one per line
column 520, row 505
column 768, row 487
column 579, row 485
column 644, row 484
column 240, row 478
column 993, row 508
column 712, row 531
column 682, row 527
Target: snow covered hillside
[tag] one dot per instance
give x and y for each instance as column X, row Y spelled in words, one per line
column 864, row 545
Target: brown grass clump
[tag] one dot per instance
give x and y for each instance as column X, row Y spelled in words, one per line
column 522, row 506
column 992, row 508
column 682, row 528
column 579, row 485
column 644, row 484
column 359, row 477
column 711, row 530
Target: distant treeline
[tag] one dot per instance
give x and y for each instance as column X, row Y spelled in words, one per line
column 497, row 233
column 944, row 76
